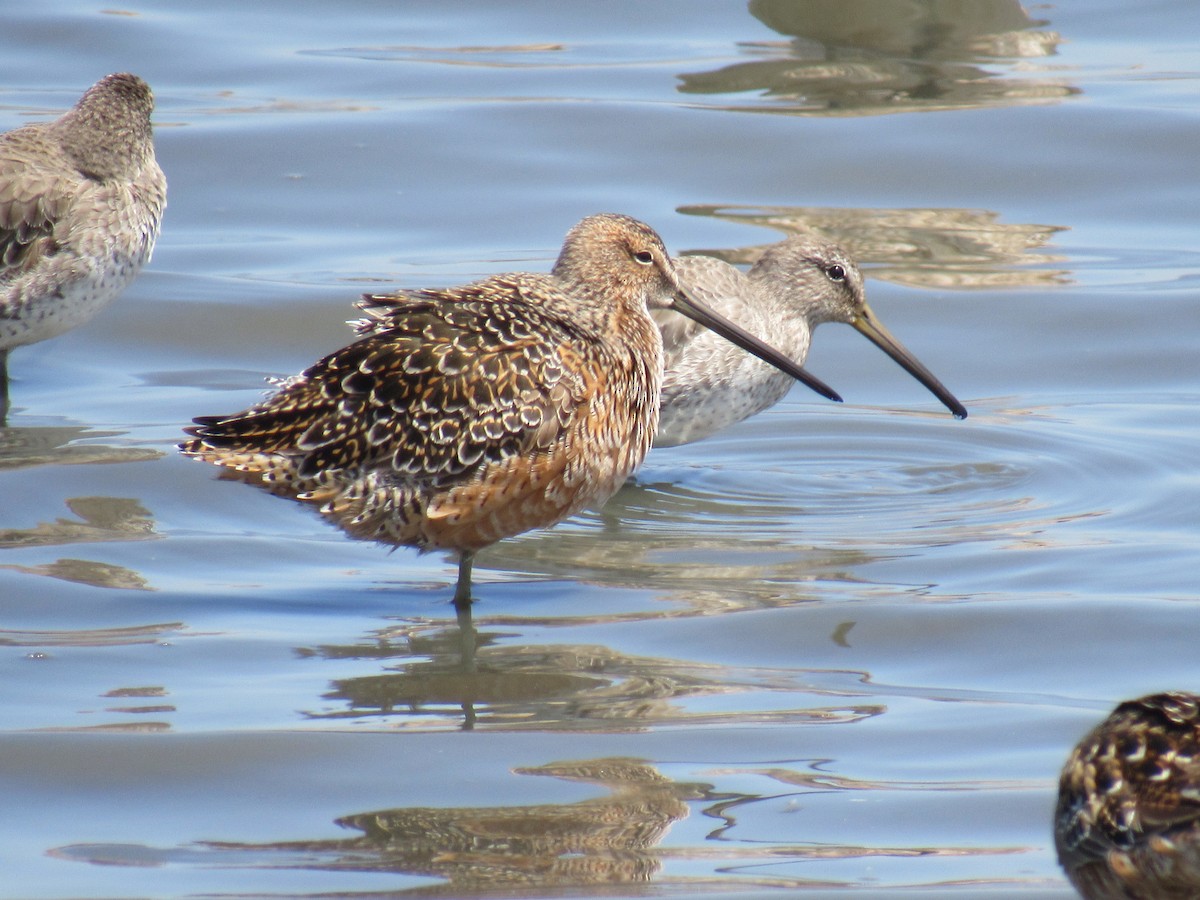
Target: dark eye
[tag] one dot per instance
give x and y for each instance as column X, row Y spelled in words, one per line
column 836, row 273
column 645, row 257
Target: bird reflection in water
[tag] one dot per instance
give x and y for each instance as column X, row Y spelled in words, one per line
column 435, row 681
column 870, row 57
column 549, row 849
column 598, row 841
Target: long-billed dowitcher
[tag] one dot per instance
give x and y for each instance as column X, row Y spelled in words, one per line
column 1127, row 824
column 795, row 286
column 81, row 199
column 467, row 415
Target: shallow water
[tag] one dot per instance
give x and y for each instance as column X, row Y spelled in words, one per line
column 832, row 648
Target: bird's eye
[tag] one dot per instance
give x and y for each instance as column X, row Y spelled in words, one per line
column 645, row 257
column 836, row 273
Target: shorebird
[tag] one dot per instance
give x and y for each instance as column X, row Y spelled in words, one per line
column 1127, row 824
column 468, row 415
column 795, row 286
column 81, row 199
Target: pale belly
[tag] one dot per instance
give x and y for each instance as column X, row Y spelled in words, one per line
column 68, row 305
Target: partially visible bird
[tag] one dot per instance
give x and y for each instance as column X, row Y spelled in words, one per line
column 81, row 199
column 1127, row 824
column 468, row 415
column 796, row 285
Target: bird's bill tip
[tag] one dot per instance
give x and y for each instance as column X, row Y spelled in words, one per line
column 869, row 326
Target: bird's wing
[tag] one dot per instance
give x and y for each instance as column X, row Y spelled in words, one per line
column 33, row 197
column 455, row 379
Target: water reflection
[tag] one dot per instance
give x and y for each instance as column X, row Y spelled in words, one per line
column 864, row 57
column 87, row 571
column 932, row 248
column 24, row 447
column 498, row 56
column 705, row 572
column 603, row 840
column 100, row 519
column 615, row 839
column 448, row 676
column 794, row 538
column 127, row 636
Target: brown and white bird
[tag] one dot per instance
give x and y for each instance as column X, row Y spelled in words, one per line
column 1127, row 824
column 81, row 200
column 468, row 415
column 795, row 286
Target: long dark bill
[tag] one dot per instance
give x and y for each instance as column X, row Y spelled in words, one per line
column 698, row 312
column 870, row 327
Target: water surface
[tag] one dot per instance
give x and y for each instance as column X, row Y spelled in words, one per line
column 835, row 647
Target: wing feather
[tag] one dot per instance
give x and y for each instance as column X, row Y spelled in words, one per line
column 444, row 383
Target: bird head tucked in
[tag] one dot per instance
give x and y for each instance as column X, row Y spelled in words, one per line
column 119, row 107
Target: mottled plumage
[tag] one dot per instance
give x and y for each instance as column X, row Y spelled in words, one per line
column 468, row 415
column 795, row 286
column 81, row 199
column 1127, row 825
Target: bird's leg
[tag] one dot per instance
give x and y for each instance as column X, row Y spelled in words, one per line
column 3, row 387
column 462, row 591
column 462, row 607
